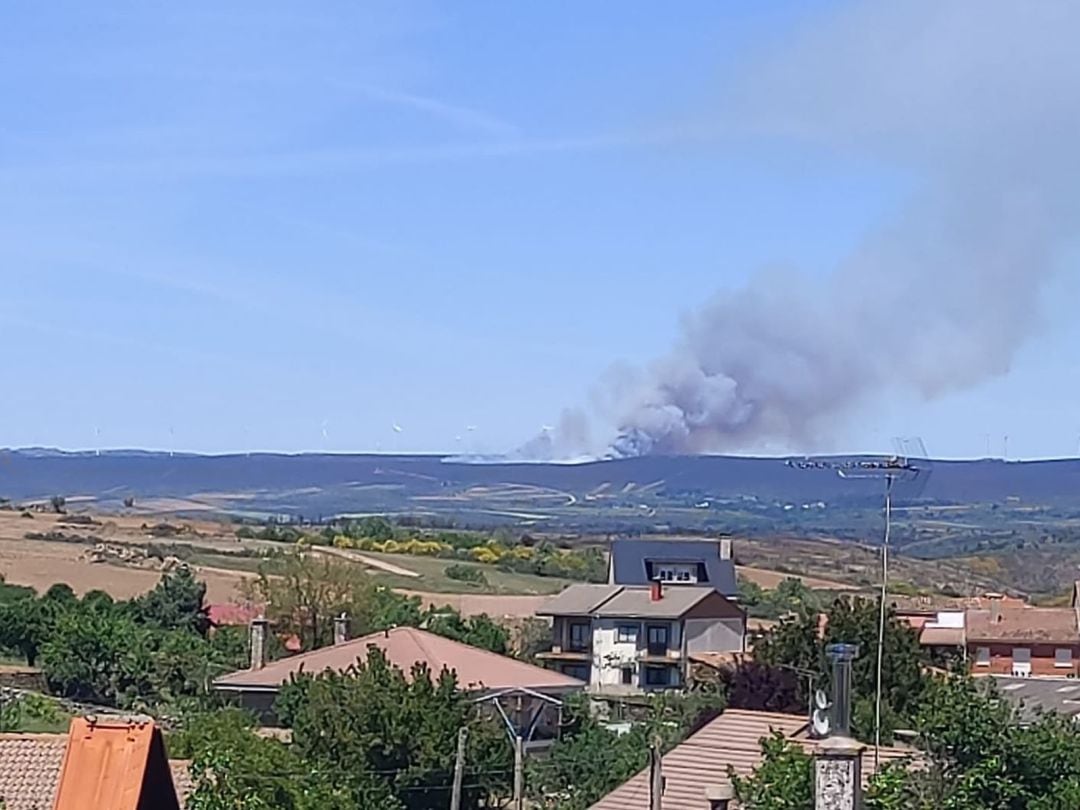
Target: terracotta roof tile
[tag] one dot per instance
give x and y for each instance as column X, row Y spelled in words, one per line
column 404, row 646
column 733, row 738
column 1024, row 624
column 30, row 771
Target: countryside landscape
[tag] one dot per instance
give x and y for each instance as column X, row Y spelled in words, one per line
column 540, row 406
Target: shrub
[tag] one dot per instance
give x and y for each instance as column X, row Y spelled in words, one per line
column 466, row 573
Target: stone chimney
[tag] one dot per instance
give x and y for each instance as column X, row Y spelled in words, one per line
column 995, row 607
column 656, row 591
column 258, row 642
column 341, row 629
column 725, row 548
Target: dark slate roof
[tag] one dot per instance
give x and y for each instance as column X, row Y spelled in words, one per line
column 630, row 558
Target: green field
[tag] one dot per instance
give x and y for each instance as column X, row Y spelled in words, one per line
column 433, row 577
column 432, row 573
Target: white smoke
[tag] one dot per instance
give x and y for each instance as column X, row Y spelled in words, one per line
column 977, row 103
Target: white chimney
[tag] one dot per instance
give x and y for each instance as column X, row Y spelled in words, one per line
column 341, row 629
column 725, row 548
column 258, row 642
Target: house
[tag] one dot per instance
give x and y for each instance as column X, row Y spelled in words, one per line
column 941, row 621
column 1023, row 641
column 694, row 770
column 675, row 562
column 103, row 755
column 478, row 671
column 622, row 638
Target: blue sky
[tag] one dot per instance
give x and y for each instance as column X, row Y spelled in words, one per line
column 290, row 226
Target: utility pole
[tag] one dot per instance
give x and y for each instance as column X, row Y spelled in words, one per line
column 459, row 769
column 519, row 772
column 656, row 774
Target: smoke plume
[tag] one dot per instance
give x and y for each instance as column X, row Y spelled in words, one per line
column 974, row 104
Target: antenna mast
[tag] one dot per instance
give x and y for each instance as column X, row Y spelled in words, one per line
column 899, row 467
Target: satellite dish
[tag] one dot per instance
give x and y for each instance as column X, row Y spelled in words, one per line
column 820, row 716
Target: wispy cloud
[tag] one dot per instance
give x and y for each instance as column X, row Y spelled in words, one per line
column 358, row 159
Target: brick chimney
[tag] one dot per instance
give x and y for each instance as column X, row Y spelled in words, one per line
column 725, row 548
column 341, row 629
column 656, row 591
column 258, row 642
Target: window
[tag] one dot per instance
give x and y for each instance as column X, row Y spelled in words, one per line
column 579, row 671
column 1063, row 657
column 627, row 676
column 657, row 639
column 1021, row 661
column 982, row 657
column 656, row 676
column 626, row 634
column 580, row 636
column 682, row 575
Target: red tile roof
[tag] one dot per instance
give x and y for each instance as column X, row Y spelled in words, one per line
column 30, row 771
column 733, row 738
column 1050, row 625
column 477, row 670
column 231, row 614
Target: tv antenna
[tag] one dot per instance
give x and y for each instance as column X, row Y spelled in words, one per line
column 911, row 464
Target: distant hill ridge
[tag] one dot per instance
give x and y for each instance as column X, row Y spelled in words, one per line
column 41, row 472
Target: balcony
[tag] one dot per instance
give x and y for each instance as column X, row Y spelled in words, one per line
column 569, row 653
column 659, row 655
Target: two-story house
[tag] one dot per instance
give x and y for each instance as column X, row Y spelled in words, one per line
column 691, row 561
column 1024, row 642
column 634, row 638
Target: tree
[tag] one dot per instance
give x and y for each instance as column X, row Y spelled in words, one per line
column 975, row 755
column 232, row 768
column 479, row 631
column 783, row 781
column 376, row 720
column 57, row 503
column 175, row 603
column 60, row 594
column 24, row 624
column 797, row 642
column 590, row 760
column 303, row 591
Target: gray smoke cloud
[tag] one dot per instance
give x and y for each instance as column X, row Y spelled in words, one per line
column 976, row 103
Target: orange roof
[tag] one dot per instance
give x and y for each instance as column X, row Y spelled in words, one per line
column 733, row 738
column 403, row 647
column 31, row 770
column 115, row 764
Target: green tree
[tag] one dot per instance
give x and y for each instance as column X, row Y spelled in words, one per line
column 175, row 603
column 798, row 642
column 783, row 781
column 303, row 591
column 590, row 759
column 479, row 631
column 233, row 768
column 377, row 720
column 24, row 627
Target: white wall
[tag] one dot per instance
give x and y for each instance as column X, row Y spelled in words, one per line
column 951, row 618
column 609, row 655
